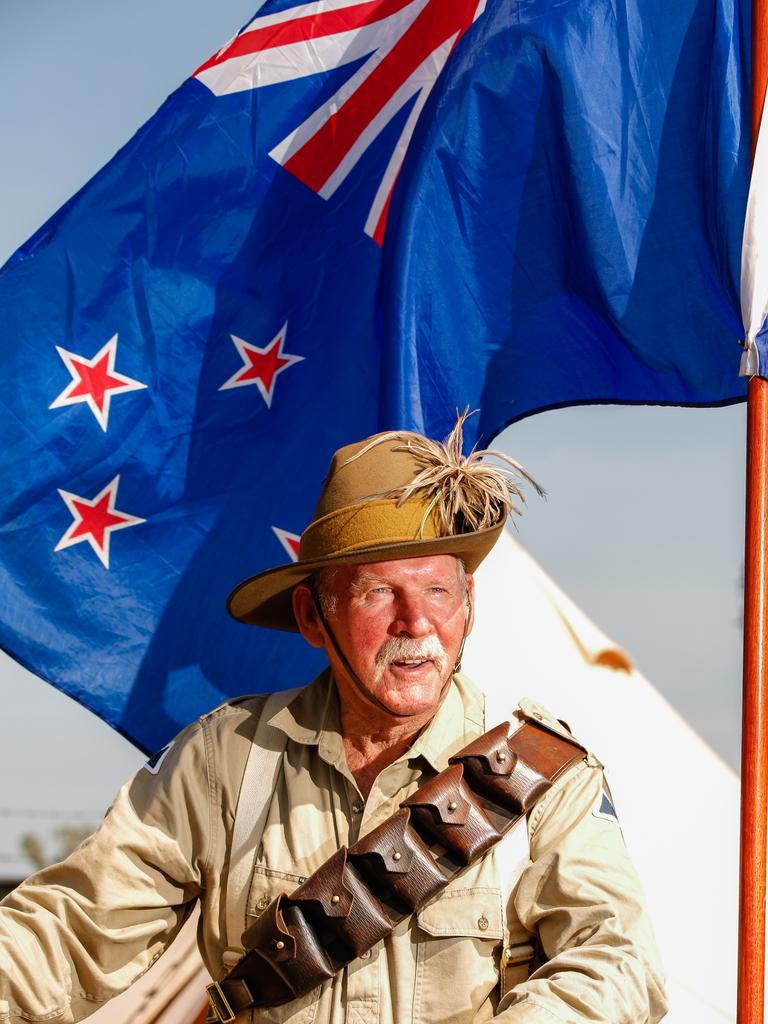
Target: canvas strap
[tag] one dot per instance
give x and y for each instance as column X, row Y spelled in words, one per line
column 360, row 894
column 256, row 789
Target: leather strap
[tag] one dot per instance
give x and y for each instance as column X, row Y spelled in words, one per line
column 250, row 816
column 363, row 691
column 358, row 895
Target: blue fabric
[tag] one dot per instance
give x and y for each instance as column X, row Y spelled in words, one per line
column 565, row 228
column 570, row 224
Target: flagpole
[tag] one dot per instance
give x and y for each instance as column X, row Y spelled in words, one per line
column 754, row 743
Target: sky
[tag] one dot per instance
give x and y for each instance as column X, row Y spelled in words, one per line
column 643, row 522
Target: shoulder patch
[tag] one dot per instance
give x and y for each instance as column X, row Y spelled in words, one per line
column 603, row 806
column 155, row 762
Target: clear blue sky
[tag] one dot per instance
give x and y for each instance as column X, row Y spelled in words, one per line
column 644, row 521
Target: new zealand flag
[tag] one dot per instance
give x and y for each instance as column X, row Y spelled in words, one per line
column 358, row 214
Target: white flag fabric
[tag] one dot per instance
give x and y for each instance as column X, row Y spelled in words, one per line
column 754, row 258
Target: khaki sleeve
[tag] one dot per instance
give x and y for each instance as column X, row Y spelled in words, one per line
column 77, row 933
column 581, row 895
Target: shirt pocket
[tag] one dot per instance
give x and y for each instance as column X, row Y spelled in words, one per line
column 459, row 936
column 266, row 884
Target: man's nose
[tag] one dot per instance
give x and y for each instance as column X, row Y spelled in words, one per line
column 411, row 617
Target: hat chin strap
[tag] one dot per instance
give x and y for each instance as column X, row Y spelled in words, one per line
column 364, row 692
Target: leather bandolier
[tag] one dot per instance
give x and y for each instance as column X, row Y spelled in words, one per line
column 360, row 894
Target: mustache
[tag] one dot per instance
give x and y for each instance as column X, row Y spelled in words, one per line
column 402, row 648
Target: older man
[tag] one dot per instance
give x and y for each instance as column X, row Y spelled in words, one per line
column 353, row 847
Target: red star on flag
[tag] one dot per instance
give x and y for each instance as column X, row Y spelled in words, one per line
column 94, row 381
column 261, row 365
column 94, row 519
column 290, row 542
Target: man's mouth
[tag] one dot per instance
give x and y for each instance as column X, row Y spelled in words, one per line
column 409, row 656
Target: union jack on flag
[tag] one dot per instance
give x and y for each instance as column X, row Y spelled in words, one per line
column 398, row 47
column 356, row 215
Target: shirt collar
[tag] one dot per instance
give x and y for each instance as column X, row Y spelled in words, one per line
column 458, row 720
column 312, row 718
column 314, row 709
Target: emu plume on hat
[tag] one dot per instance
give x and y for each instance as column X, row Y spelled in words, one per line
column 394, row 495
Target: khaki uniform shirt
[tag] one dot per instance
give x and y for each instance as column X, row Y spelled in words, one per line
column 77, row 933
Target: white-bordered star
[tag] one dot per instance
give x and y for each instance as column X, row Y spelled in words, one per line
column 94, row 519
column 290, row 542
column 94, row 381
column 261, row 366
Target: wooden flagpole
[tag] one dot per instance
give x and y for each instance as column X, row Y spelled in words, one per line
column 754, row 743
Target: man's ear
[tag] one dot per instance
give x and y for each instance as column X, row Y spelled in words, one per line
column 305, row 612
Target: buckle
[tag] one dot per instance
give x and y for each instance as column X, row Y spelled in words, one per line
column 519, row 953
column 219, row 1003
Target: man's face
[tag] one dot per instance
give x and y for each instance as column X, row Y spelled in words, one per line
column 400, row 624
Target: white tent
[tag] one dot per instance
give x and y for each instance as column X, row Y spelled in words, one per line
column 678, row 803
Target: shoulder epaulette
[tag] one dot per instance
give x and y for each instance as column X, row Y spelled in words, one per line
column 232, row 704
column 531, row 711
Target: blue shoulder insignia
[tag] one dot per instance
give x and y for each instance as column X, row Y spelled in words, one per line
column 603, row 807
column 155, row 762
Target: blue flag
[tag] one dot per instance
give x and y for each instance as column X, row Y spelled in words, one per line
column 357, row 215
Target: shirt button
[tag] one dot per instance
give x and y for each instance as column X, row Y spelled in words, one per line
column 482, row 923
column 358, row 807
column 263, row 903
column 366, row 955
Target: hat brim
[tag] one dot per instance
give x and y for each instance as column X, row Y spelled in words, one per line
column 265, row 599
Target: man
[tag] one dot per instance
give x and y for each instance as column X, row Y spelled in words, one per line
column 554, row 930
